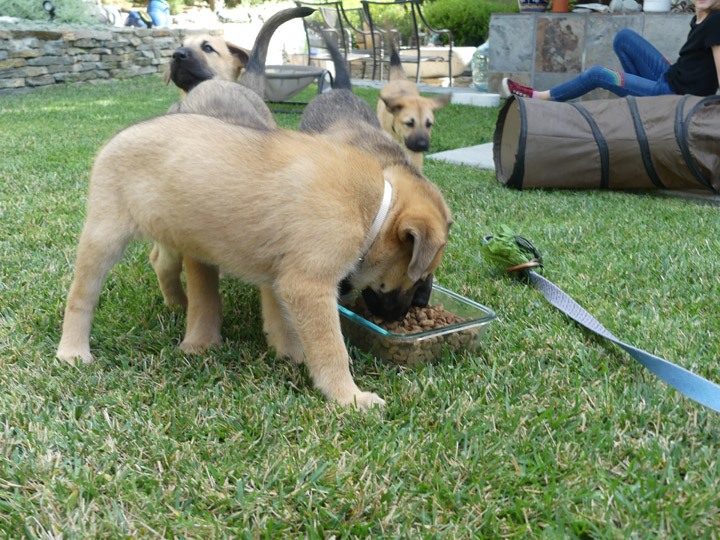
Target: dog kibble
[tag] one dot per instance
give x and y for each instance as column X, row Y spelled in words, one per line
column 409, row 353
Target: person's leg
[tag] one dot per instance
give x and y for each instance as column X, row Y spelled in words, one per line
column 637, row 56
column 619, row 83
column 595, row 77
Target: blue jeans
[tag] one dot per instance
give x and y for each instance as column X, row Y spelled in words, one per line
column 644, row 72
column 159, row 11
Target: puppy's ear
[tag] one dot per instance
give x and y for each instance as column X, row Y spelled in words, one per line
column 393, row 105
column 166, row 76
column 425, row 247
column 440, row 101
column 243, row 55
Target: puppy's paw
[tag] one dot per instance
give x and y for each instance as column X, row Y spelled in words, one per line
column 364, row 401
column 193, row 347
column 71, row 355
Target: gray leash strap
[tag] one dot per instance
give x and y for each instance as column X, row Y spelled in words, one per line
column 686, row 382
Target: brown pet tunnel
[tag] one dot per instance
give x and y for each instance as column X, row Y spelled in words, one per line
column 664, row 142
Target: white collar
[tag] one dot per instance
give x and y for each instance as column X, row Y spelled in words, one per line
column 378, row 221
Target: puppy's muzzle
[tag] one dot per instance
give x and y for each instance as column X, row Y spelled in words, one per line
column 394, row 305
column 181, row 54
column 187, row 70
column 418, row 143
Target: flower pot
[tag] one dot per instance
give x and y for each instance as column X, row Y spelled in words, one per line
column 657, row 6
column 532, row 6
column 560, row 6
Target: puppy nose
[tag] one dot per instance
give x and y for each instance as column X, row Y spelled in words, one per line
column 180, row 54
column 418, row 144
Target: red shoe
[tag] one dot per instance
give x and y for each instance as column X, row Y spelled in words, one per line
column 511, row 88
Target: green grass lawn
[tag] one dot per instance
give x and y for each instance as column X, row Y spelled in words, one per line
column 547, row 431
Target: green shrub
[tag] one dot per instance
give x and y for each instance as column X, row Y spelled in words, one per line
column 176, row 6
column 468, row 20
column 397, row 17
column 66, row 11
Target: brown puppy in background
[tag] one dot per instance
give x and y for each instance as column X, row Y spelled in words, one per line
column 405, row 114
column 202, row 57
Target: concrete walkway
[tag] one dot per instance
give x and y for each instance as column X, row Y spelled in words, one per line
column 461, row 95
column 480, row 156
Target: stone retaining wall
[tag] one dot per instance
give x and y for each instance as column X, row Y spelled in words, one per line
column 36, row 57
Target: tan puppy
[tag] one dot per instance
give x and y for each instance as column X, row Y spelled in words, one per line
column 202, row 57
column 405, row 114
column 290, row 212
column 237, row 103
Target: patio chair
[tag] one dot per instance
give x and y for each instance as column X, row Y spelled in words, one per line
column 283, row 82
column 330, row 19
column 413, row 39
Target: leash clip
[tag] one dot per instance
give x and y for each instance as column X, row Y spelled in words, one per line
column 534, row 263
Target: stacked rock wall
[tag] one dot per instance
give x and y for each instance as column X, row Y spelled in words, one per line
column 37, row 57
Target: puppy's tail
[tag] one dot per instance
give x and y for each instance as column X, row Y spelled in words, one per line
column 342, row 76
column 397, row 73
column 254, row 76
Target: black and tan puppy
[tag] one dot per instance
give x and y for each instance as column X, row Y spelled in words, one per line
column 237, row 103
column 340, row 115
column 406, row 115
column 202, row 57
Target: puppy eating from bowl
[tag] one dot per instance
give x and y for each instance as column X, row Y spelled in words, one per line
column 289, row 212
